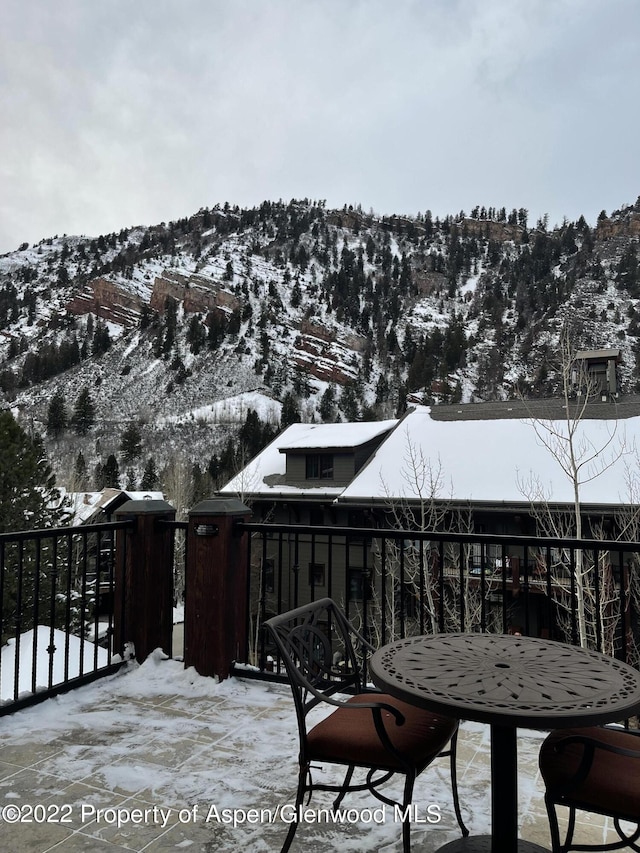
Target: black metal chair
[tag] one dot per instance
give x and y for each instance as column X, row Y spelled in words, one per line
column 595, row 769
column 368, row 729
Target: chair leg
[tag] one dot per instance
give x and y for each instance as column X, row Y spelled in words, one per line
column 345, row 786
column 454, row 785
column 302, row 777
column 406, row 823
column 554, row 827
column 570, row 829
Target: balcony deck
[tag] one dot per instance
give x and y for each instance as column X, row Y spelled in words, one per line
column 166, row 747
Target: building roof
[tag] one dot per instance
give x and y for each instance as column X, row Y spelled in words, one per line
column 84, row 506
column 332, row 436
column 595, row 354
column 627, row 406
column 497, row 460
column 264, row 475
column 491, row 454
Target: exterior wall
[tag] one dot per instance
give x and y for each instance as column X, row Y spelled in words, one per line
column 307, row 567
column 343, row 468
column 346, row 464
column 339, row 566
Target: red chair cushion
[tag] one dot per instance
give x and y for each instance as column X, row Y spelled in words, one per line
column 348, row 735
column 612, row 785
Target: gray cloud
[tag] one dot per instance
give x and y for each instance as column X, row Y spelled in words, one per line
column 117, row 114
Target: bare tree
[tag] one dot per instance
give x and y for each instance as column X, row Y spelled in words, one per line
column 177, row 485
column 245, row 481
column 627, row 526
column 581, row 461
column 413, row 578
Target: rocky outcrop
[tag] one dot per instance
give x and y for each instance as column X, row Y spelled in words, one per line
column 325, row 357
column 317, row 330
column 197, row 293
column 349, row 340
column 428, row 283
column 626, row 225
column 107, row 300
column 490, row 229
column 166, row 287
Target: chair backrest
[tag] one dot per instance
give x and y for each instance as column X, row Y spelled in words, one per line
column 315, row 644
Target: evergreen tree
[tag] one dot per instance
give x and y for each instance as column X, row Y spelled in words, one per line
column 382, row 389
column 146, row 317
column 201, row 485
column 57, row 420
column 217, row 326
column 349, row 403
column 296, row 294
column 628, row 272
column 101, row 339
column 98, row 476
column 290, row 410
column 131, row 442
column 111, row 473
column 251, row 435
column 196, row 334
column 8, row 384
column 170, row 325
column 328, row 405
column 84, row 413
column 80, row 472
column 149, row 480
column 214, row 471
column 228, row 465
column 29, row 499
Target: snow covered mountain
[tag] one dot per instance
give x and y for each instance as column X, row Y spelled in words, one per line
column 294, row 311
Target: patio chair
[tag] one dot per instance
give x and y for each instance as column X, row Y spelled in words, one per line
column 596, row 770
column 323, row 655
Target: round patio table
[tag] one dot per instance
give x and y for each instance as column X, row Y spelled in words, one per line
column 506, row 681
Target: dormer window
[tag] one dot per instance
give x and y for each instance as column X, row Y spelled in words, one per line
column 319, row 466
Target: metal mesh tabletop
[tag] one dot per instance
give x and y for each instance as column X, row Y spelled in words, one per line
column 507, row 680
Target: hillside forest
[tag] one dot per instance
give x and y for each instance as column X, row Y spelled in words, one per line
column 165, row 356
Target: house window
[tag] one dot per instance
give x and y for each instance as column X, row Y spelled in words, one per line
column 316, row 574
column 484, row 555
column 319, row 466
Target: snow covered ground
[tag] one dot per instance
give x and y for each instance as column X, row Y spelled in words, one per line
column 232, row 410
column 68, row 652
column 150, row 759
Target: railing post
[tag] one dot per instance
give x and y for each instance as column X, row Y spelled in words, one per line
column 143, row 599
column 215, row 607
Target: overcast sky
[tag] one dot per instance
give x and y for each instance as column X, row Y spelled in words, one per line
column 118, row 113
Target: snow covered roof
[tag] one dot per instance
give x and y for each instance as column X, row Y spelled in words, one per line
column 263, row 476
column 497, row 461
column 490, row 460
column 83, row 506
column 332, row 436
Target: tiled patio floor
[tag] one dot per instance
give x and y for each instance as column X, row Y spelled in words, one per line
column 156, row 739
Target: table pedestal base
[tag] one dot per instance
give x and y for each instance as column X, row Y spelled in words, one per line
column 482, row 844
